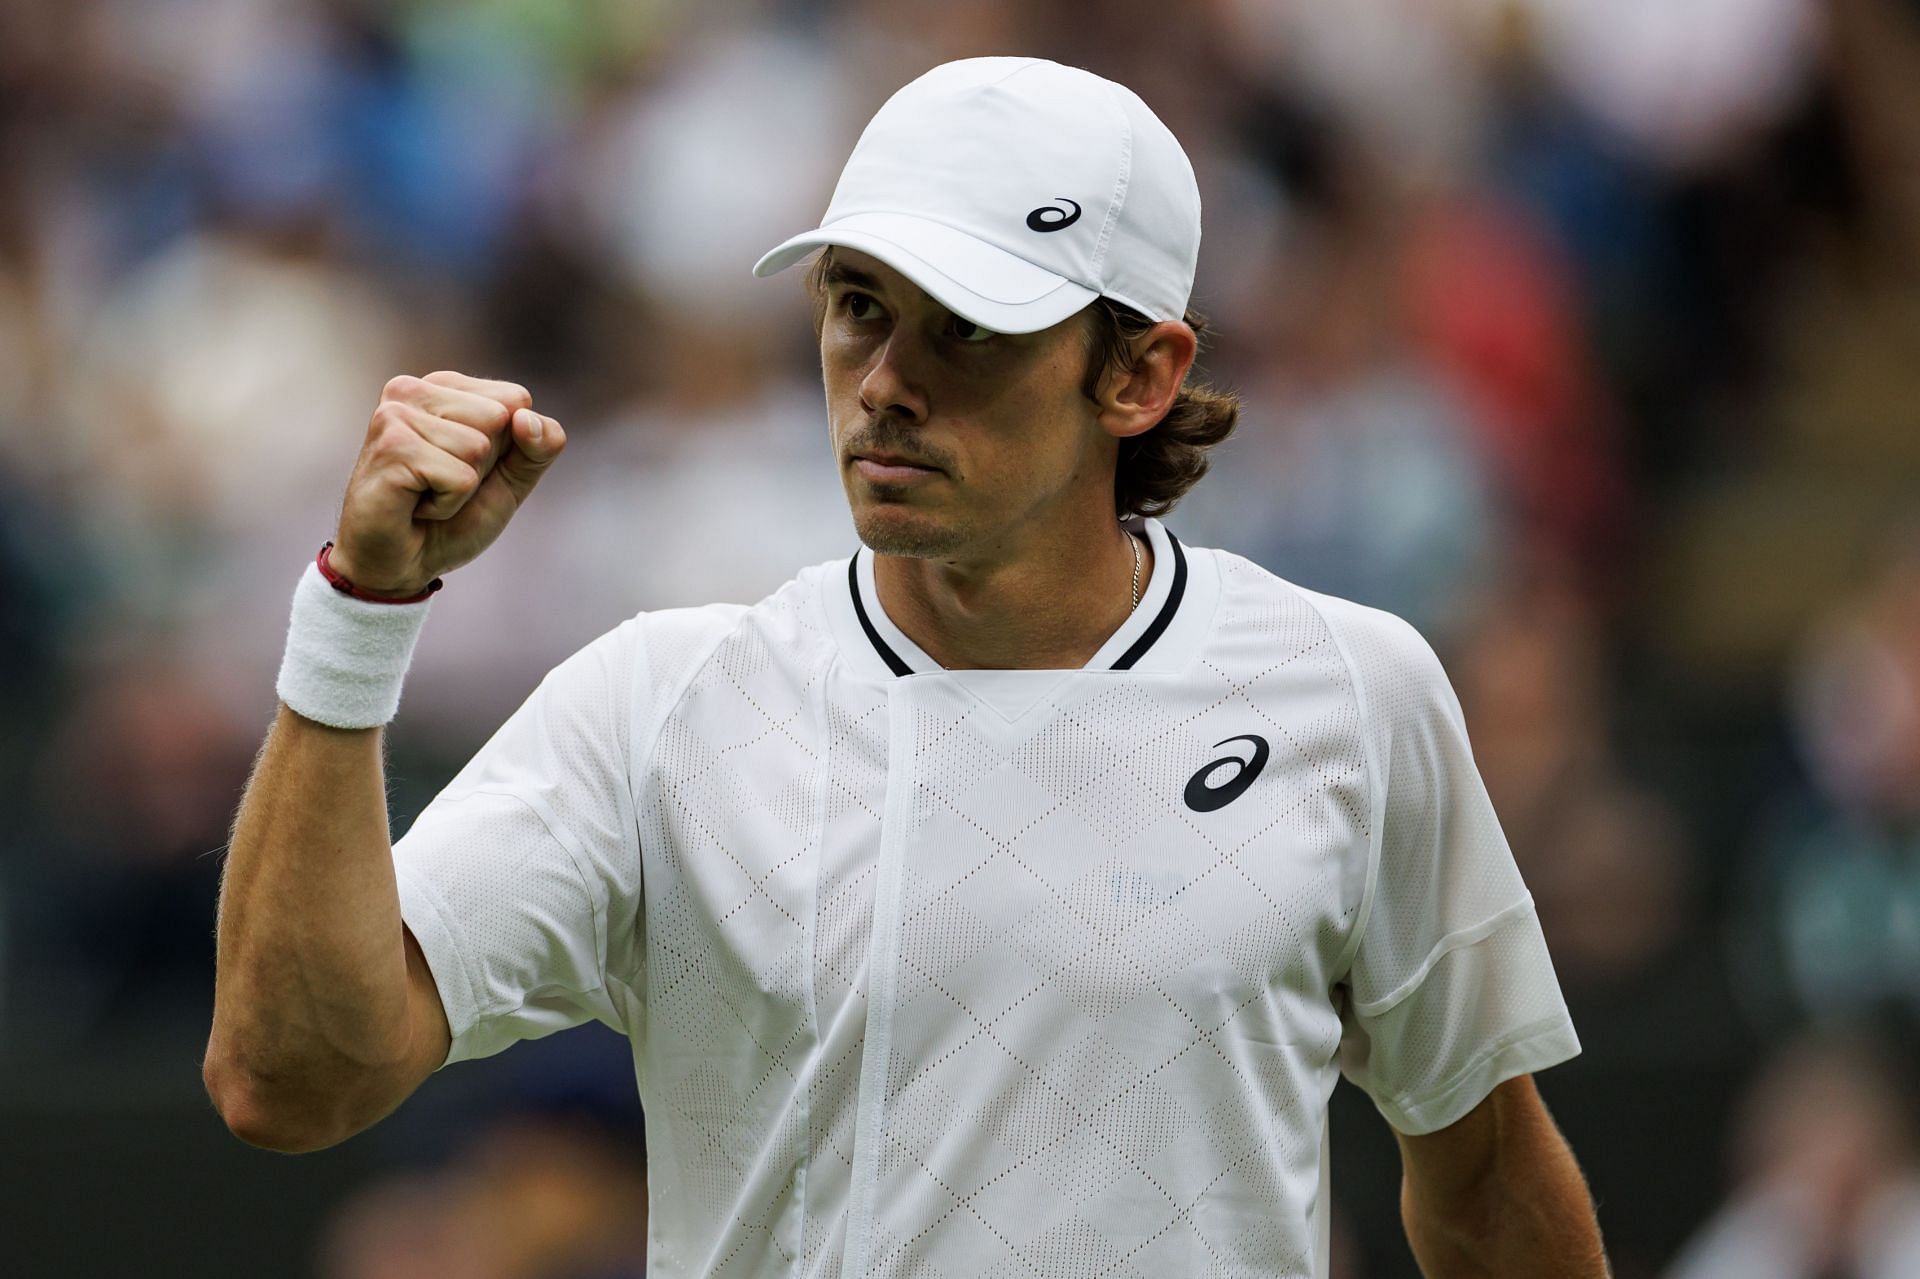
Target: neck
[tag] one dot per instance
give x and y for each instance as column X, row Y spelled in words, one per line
column 1048, row 607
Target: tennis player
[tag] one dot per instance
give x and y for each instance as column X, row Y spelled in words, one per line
column 1003, row 900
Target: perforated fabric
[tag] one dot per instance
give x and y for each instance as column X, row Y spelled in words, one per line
column 1480, row 1015
column 521, row 880
column 1450, row 989
column 856, row 787
column 1111, row 1038
column 992, row 973
column 732, row 803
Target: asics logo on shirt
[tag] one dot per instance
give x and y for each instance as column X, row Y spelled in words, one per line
column 1049, row 217
column 1204, row 794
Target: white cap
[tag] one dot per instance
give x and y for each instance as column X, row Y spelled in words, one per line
column 1015, row 191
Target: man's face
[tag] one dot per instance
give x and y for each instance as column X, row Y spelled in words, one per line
column 952, row 440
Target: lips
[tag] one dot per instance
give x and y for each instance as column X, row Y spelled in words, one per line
column 893, row 471
column 893, row 460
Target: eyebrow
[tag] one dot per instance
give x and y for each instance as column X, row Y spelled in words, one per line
column 840, row 273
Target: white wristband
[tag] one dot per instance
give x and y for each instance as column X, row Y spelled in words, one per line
column 346, row 658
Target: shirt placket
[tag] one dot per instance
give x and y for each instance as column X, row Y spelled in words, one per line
column 896, row 830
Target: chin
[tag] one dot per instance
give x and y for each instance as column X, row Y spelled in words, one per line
column 897, row 529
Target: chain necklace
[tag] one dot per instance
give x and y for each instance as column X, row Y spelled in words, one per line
column 1135, row 543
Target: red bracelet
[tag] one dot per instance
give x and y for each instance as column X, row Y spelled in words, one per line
column 338, row 581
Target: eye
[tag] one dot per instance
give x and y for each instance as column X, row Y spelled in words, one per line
column 859, row 306
column 967, row 331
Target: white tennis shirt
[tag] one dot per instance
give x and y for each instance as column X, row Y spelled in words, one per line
column 994, row 973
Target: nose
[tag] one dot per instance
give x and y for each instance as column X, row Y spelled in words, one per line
column 892, row 384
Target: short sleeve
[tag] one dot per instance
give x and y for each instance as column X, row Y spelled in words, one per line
column 1450, row 990
column 521, row 880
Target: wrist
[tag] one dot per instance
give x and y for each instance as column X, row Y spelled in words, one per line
column 346, row 655
column 342, row 577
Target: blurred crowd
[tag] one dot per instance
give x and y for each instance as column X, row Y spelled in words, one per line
column 1585, row 336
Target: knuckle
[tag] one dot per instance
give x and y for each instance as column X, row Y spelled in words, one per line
column 391, row 426
column 516, row 396
column 401, row 387
column 445, row 377
column 472, row 447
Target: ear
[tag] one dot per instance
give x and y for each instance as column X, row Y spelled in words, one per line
column 1134, row 400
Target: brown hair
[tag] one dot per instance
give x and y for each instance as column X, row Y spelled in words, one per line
column 1158, row 466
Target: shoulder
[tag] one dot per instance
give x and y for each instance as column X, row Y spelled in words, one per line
column 1392, row 668
column 1388, row 656
column 665, row 650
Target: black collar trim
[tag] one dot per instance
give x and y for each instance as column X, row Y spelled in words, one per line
column 1164, row 618
column 1148, row 637
column 887, row 655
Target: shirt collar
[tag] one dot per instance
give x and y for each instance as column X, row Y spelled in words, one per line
column 1155, row 636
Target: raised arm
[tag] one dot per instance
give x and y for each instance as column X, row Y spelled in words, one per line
column 1498, row 1195
column 326, row 1015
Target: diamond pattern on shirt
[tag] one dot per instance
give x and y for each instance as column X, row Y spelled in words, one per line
column 734, row 823
column 1076, row 959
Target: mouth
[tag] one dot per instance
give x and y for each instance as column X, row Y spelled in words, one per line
column 892, row 468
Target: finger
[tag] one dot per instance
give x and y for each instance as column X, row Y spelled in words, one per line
column 511, row 394
column 483, row 412
column 537, row 440
column 468, row 443
column 443, row 482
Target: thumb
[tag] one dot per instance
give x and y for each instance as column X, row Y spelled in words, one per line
column 537, row 440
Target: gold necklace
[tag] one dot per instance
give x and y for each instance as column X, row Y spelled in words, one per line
column 1135, row 543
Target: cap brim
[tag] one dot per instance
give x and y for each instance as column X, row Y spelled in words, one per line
column 975, row 280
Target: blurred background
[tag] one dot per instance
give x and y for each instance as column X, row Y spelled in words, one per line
column 1585, row 336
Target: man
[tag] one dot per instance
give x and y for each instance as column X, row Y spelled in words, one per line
column 1002, row 900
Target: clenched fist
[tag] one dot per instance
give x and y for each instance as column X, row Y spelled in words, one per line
column 447, row 461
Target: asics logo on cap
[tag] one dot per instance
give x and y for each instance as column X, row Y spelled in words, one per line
column 1049, row 217
column 1202, row 797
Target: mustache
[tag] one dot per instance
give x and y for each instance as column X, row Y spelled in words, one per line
column 882, row 434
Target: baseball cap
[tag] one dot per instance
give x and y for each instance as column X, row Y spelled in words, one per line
column 1015, row 191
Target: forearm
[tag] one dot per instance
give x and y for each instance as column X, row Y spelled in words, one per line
column 1522, row 1209
column 1542, row 1228
column 311, row 1006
